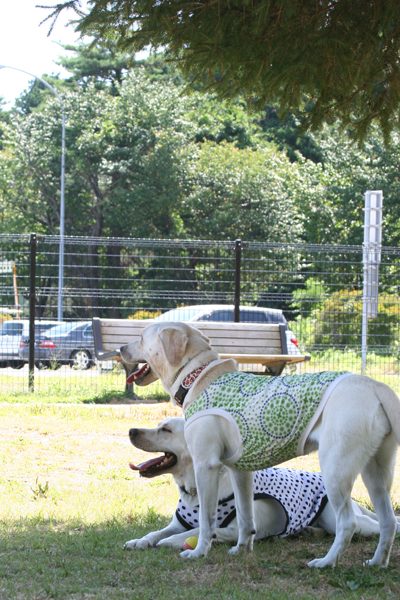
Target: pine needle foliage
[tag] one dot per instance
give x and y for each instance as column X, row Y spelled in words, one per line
column 331, row 59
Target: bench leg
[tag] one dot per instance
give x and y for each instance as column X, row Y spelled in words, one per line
column 274, row 369
column 129, row 386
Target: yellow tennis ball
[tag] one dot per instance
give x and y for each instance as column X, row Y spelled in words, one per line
column 190, row 543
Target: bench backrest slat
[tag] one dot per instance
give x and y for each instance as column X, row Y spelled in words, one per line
column 238, row 338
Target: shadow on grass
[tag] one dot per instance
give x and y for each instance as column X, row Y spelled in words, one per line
column 46, row 558
column 52, row 559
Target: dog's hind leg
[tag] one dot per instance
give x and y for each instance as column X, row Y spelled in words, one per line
column 378, row 478
column 350, row 434
column 367, row 521
column 242, row 483
column 346, row 523
column 340, row 465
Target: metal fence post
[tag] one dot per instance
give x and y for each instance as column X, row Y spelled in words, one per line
column 238, row 256
column 32, row 310
column 371, row 261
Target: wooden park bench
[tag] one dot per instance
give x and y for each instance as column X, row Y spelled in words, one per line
column 250, row 344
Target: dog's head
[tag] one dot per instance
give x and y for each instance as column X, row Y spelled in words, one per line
column 163, row 348
column 168, row 438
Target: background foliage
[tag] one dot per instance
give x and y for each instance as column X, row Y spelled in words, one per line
column 330, row 59
column 146, row 160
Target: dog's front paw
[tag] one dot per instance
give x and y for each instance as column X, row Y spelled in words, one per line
column 320, row 563
column 192, row 554
column 241, row 548
column 140, row 544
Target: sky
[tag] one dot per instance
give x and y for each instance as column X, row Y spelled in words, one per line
column 25, row 45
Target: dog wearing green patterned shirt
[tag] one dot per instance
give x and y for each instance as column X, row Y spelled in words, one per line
column 248, row 422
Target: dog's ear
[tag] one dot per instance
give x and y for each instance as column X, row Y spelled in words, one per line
column 205, row 338
column 174, row 342
column 198, row 332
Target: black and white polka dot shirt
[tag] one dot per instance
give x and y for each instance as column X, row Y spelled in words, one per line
column 301, row 494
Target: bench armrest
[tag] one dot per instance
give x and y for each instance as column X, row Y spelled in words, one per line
column 98, row 343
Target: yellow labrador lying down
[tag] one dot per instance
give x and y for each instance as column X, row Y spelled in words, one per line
column 248, row 423
column 279, row 508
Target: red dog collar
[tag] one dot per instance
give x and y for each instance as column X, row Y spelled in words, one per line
column 187, row 383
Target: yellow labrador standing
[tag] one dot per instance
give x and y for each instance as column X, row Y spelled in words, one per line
column 356, row 429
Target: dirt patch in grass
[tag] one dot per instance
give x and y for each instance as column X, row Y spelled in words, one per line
column 135, row 400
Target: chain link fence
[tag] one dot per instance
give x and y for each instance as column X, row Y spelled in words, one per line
column 317, row 289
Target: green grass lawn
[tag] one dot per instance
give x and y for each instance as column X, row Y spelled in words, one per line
column 70, row 501
column 71, row 387
column 75, row 387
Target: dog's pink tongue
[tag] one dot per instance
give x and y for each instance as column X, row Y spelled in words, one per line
column 146, row 465
column 133, row 376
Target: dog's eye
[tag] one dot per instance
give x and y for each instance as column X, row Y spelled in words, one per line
column 167, row 429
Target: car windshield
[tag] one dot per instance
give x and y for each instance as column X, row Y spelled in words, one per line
column 60, row 329
column 44, row 326
column 218, row 315
column 180, row 314
column 12, row 328
column 215, row 313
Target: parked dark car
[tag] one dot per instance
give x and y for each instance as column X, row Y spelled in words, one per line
column 11, row 335
column 225, row 313
column 67, row 344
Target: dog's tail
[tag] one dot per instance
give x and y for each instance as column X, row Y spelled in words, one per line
column 391, row 405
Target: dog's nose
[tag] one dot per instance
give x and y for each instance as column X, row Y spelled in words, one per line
column 122, row 348
column 133, row 433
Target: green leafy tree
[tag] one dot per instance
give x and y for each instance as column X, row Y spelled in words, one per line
column 123, row 156
column 245, row 193
column 286, row 133
column 334, row 212
column 334, row 320
column 121, row 169
column 4, row 118
column 37, row 93
column 331, row 59
column 218, row 121
column 105, row 65
column 119, row 165
column 157, row 68
column 102, row 65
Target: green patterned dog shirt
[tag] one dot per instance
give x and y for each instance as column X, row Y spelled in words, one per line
column 273, row 416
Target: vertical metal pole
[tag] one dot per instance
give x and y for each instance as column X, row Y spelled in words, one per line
column 371, row 260
column 16, row 302
column 364, row 337
column 32, row 308
column 62, row 225
column 238, row 256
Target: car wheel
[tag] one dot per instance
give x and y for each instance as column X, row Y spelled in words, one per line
column 42, row 364
column 81, row 360
column 17, row 364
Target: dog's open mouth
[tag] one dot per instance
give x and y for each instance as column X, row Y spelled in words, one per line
column 155, row 466
column 138, row 376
